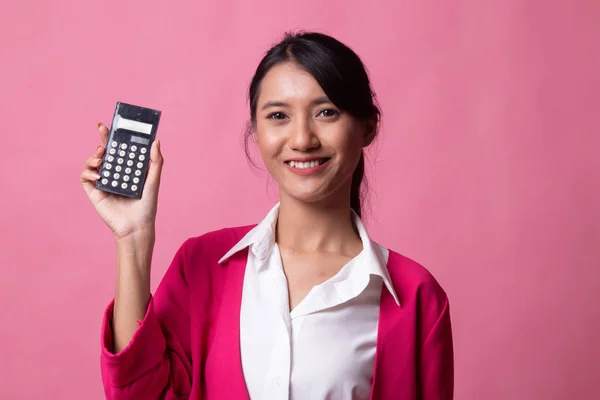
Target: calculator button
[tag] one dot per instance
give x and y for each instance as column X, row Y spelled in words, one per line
column 142, row 157
column 131, row 155
column 119, row 161
column 112, row 151
column 104, row 181
column 114, row 183
column 136, row 180
column 123, row 145
column 110, row 158
column 114, row 143
column 122, row 153
column 108, row 166
column 134, row 187
column 133, row 148
column 106, row 174
column 123, row 185
column 129, row 163
column 126, row 178
column 140, row 165
column 127, row 170
column 116, row 175
column 143, row 150
column 118, row 168
column 138, row 172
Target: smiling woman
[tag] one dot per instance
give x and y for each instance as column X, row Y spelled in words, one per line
column 316, row 75
column 303, row 305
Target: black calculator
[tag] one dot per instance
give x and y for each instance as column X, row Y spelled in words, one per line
column 127, row 156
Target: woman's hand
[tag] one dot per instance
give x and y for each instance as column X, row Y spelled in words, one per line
column 124, row 216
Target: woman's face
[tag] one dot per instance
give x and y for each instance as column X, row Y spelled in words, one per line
column 308, row 145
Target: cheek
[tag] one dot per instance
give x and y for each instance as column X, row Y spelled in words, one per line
column 270, row 144
column 350, row 161
column 350, row 146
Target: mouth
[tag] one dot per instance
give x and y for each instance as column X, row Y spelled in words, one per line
column 307, row 167
column 296, row 164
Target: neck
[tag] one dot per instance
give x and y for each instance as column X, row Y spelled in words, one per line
column 323, row 226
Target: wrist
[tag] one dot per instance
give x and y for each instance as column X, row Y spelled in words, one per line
column 134, row 252
column 138, row 239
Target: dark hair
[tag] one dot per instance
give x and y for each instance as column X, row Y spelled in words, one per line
column 340, row 73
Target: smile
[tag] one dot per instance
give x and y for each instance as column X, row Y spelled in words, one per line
column 307, row 167
column 307, row 164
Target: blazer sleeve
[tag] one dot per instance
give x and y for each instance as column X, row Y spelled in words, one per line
column 156, row 364
column 437, row 359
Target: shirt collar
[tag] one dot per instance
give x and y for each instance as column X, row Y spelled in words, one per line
column 373, row 259
column 261, row 240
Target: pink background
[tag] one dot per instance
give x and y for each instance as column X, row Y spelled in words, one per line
column 486, row 170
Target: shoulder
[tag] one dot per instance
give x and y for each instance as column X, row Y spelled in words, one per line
column 199, row 255
column 214, row 244
column 415, row 284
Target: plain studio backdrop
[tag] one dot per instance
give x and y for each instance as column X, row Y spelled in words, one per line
column 486, row 170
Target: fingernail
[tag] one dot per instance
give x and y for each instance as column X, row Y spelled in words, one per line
column 99, row 124
column 98, row 148
column 158, row 144
column 97, row 176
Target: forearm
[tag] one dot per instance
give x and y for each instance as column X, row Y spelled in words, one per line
column 134, row 258
column 148, row 360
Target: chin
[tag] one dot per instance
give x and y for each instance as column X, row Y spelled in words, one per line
column 305, row 195
column 311, row 194
column 316, row 190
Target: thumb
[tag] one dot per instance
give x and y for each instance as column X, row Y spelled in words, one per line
column 155, row 167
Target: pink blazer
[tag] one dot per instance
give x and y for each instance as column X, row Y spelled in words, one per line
column 188, row 344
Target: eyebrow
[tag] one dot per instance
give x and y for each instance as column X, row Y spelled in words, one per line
column 320, row 100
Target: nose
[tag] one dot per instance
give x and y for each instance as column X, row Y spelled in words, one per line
column 303, row 136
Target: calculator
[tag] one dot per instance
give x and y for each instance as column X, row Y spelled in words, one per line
column 126, row 159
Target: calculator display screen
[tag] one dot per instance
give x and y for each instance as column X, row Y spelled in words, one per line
column 129, row 124
column 137, row 139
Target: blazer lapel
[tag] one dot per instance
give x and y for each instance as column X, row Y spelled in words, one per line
column 385, row 327
column 390, row 355
column 227, row 377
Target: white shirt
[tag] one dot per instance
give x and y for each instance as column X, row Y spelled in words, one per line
column 325, row 347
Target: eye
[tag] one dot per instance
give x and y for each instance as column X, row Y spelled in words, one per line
column 276, row 116
column 328, row 113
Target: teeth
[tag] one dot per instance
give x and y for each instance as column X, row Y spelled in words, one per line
column 308, row 164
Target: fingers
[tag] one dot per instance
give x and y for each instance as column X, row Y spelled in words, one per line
column 88, row 180
column 103, row 130
column 93, row 162
column 90, row 175
column 154, row 169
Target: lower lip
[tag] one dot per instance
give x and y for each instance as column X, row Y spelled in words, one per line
column 307, row 171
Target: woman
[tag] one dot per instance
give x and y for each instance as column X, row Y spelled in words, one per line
column 303, row 305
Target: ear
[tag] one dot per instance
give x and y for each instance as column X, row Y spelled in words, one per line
column 251, row 132
column 370, row 132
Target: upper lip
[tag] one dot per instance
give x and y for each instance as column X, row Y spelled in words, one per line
column 305, row 159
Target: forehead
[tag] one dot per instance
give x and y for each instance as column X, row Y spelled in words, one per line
column 288, row 82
